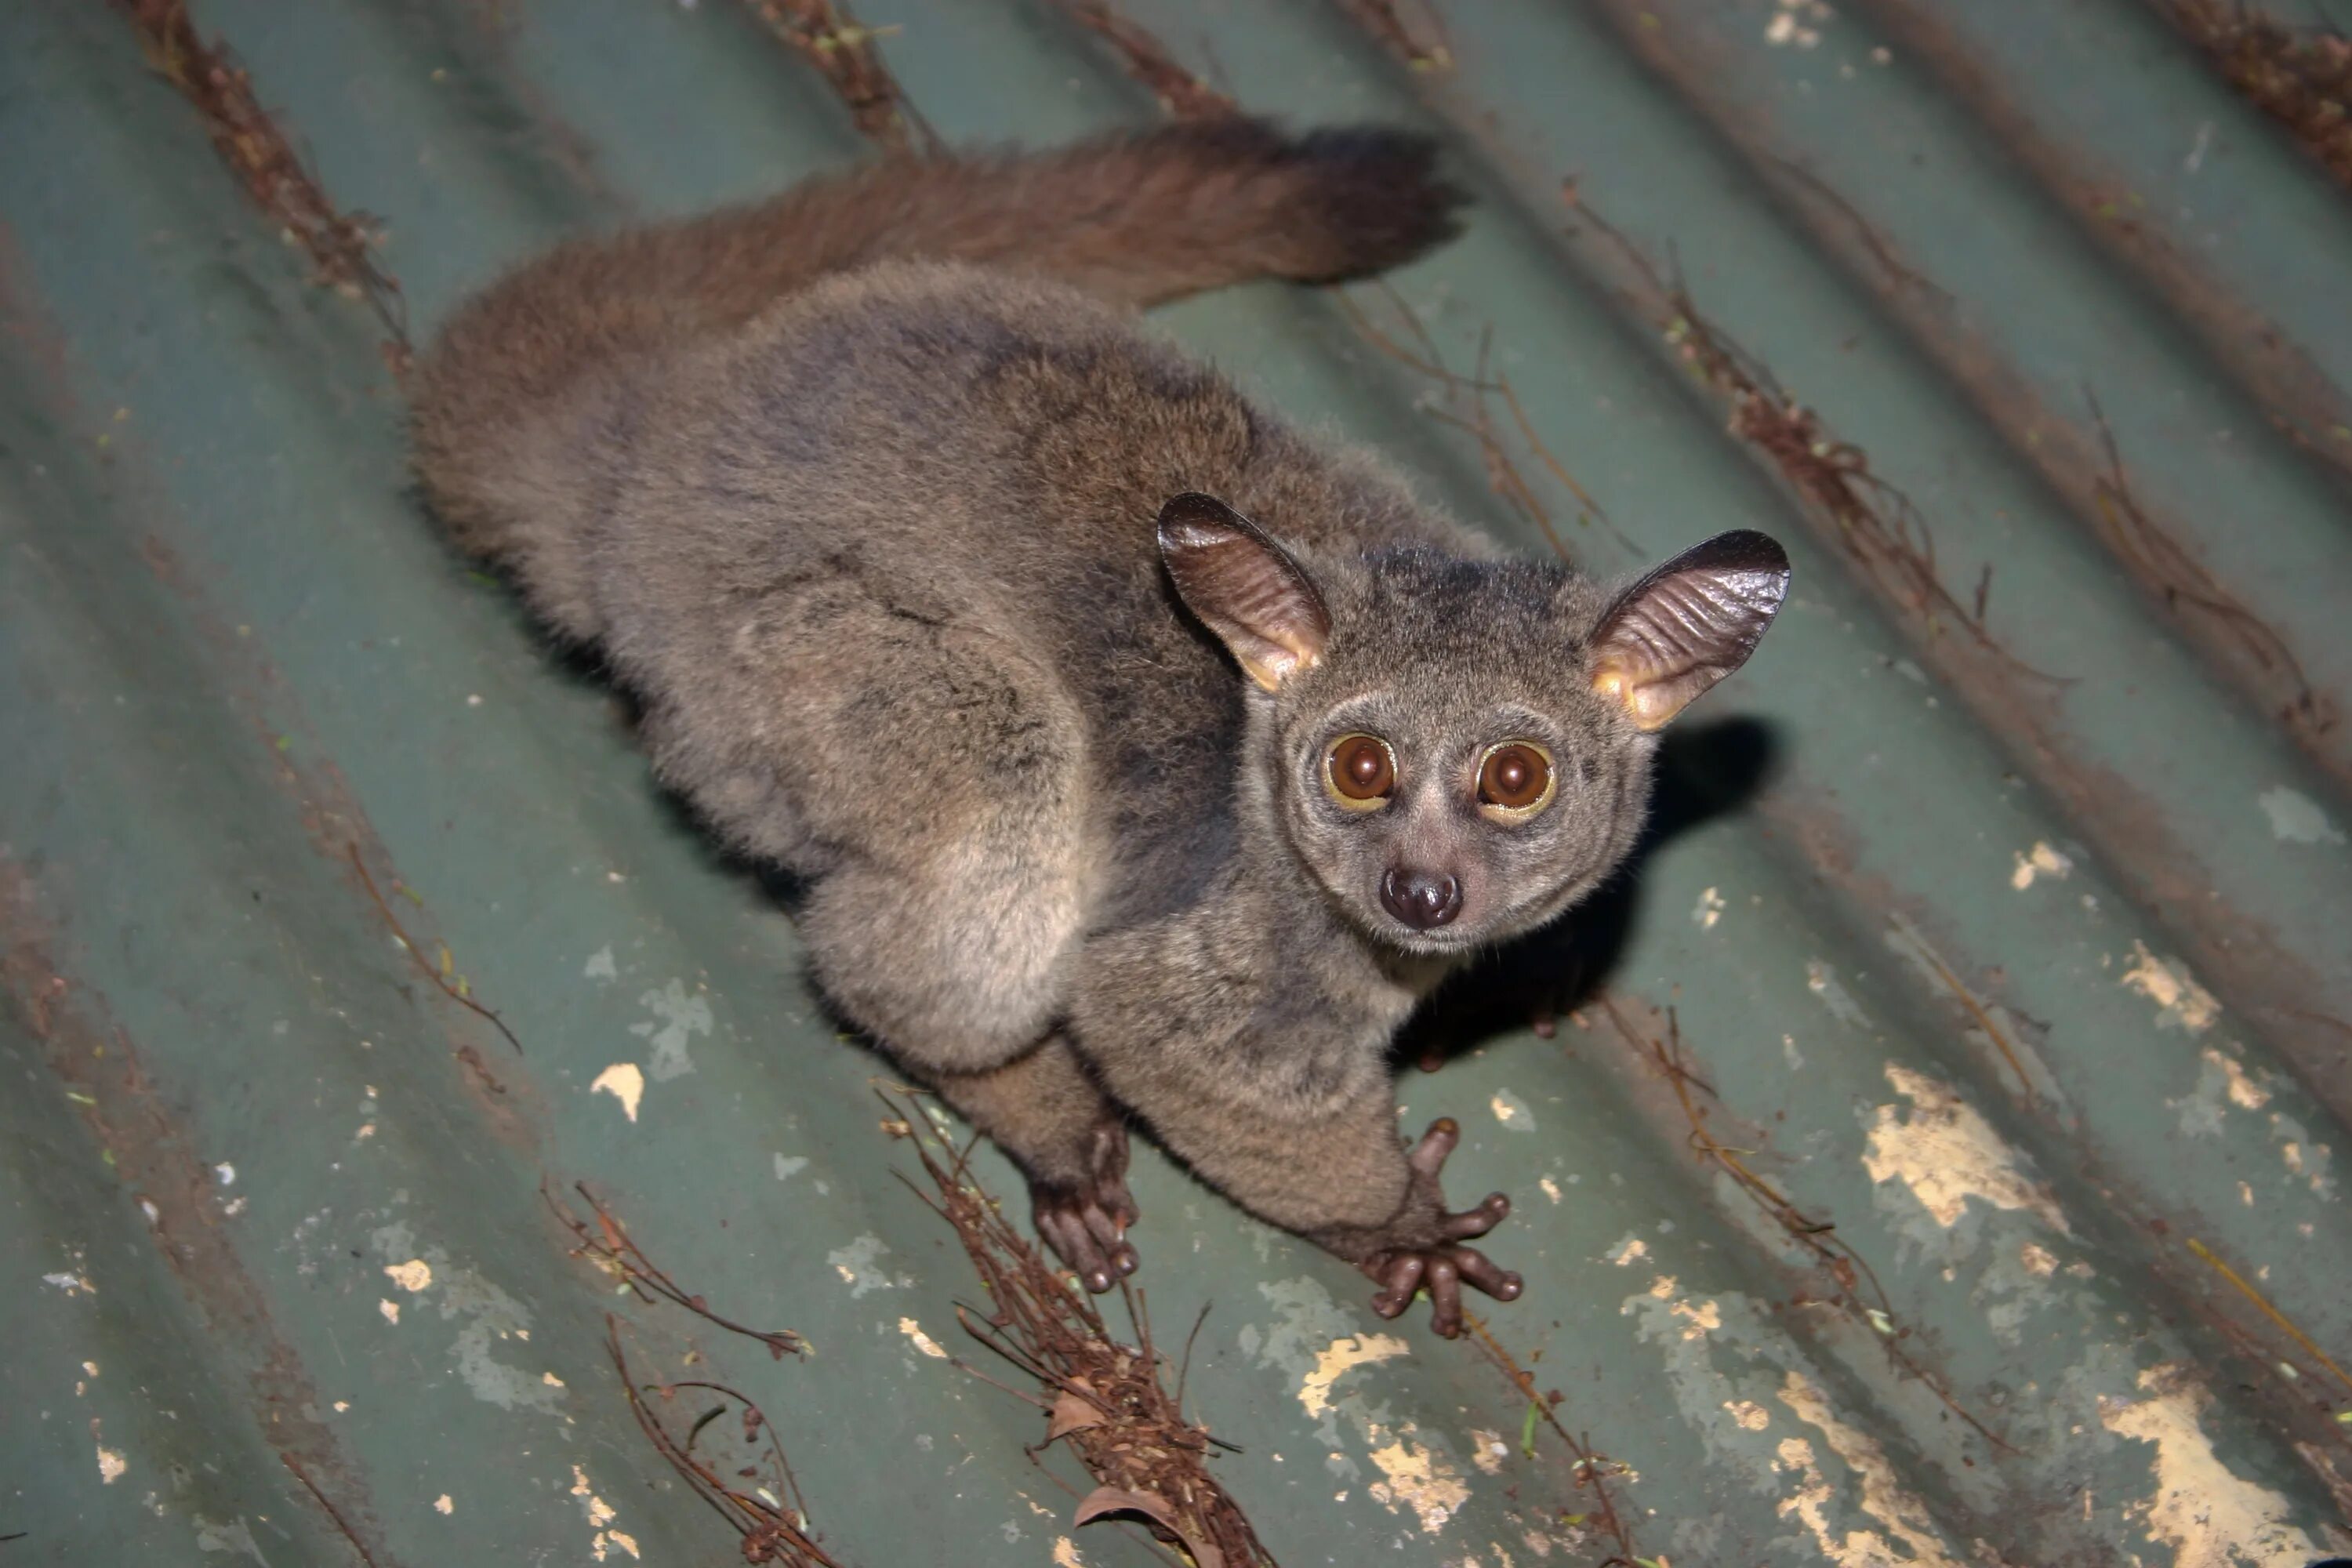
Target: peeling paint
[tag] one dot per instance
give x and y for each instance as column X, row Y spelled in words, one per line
column 1066, row 1553
column 2040, row 861
column 1709, row 910
column 1512, row 1111
column 626, row 1082
column 1418, row 1479
column 921, row 1341
column 858, row 1265
column 2296, row 818
column 411, row 1276
column 112, row 1465
column 678, row 1015
column 1550, row 1188
column 1748, row 1413
column 1946, row 1153
column 787, row 1168
column 1823, row 983
column 2201, row 1508
column 2038, row 1259
column 486, row 1314
column 1487, row 1452
column 2181, row 1001
column 600, row 966
column 390, row 1310
column 1883, row 1498
column 2219, row 1080
column 1628, row 1252
column 232, row 1535
column 1337, row 1358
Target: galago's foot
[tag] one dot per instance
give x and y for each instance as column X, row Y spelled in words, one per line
column 1085, row 1221
column 1439, row 1264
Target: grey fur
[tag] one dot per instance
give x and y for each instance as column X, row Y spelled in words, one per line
column 869, row 531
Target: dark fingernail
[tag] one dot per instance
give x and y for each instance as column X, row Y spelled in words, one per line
column 1446, row 1124
column 1500, row 1204
column 1098, row 1281
column 1128, row 1262
column 1511, row 1287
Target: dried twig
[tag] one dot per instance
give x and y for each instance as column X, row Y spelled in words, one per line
column 1147, row 59
column 457, row 990
column 771, row 1519
column 1379, row 18
column 1859, row 1294
column 1878, row 525
column 1591, row 1469
column 332, row 1512
column 829, row 38
column 610, row 1249
column 1105, row 1398
column 2262, row 1303
column 2302, row 79
column 2184, row 581
column 249, row 142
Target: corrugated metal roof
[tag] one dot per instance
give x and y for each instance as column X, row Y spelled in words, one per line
column 1940, row 1166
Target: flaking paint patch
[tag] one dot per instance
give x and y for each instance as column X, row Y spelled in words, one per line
column 2296, row 818
column 2306, row 1161
column 1883, row 1498
column 2181, row 1002
column 1317, row 1341
column 1512, row 1111
column 600, row 966
column 2039, row 861
column 921, row 1341
column 1487, row 1452
column 1417, row 1478
column 1823, row 983
column 411, row 1276
column 230, row 1535
column 859, row 1265
column 679, row 1014
column 2208, row 1514
column 1066, row 1553
column 1337, row 1358
column 1709, row 910
column 487, row 1315
column 626, row 1082
column 1748, row 1414
column 2220, row 1081
column 1628, row 1252
column 112, row 1465
column 1946, row 1153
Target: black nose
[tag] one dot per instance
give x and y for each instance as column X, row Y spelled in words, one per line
column 1423, row 899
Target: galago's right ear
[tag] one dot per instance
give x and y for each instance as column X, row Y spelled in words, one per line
column 1245, row 587
column 1687, row 624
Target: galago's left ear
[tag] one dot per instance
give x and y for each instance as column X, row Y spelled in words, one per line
column 1245, row 587
column 1687, row 624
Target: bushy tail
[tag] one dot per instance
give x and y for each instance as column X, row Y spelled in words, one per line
column 1135, row 219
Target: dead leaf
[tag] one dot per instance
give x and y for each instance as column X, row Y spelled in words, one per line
column 1073, row 1411
column 1113, row 1500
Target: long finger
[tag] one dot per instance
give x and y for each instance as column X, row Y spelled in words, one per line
column 1071, row 1241
column 1428, row 1156
column 1444, row 1283
column 1110, row 1235
column 1399, row 1283
column 1480, row 1270
column 1492, row 1211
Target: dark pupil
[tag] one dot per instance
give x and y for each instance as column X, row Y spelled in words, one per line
column 1515, row 777
column 1364, row 766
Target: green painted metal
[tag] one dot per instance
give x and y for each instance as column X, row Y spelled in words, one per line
column 2035, row 989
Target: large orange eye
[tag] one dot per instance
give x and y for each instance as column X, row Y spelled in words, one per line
column 1514, row 780
column 1361, row 772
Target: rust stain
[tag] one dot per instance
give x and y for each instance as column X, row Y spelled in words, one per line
column 340, row 244
column 846, row 55
column 155, row 1161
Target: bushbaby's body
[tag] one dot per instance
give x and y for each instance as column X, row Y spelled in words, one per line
column 858, row 492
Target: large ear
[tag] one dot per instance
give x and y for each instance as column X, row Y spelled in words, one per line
column 1687, row 624
column 1243, row 586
